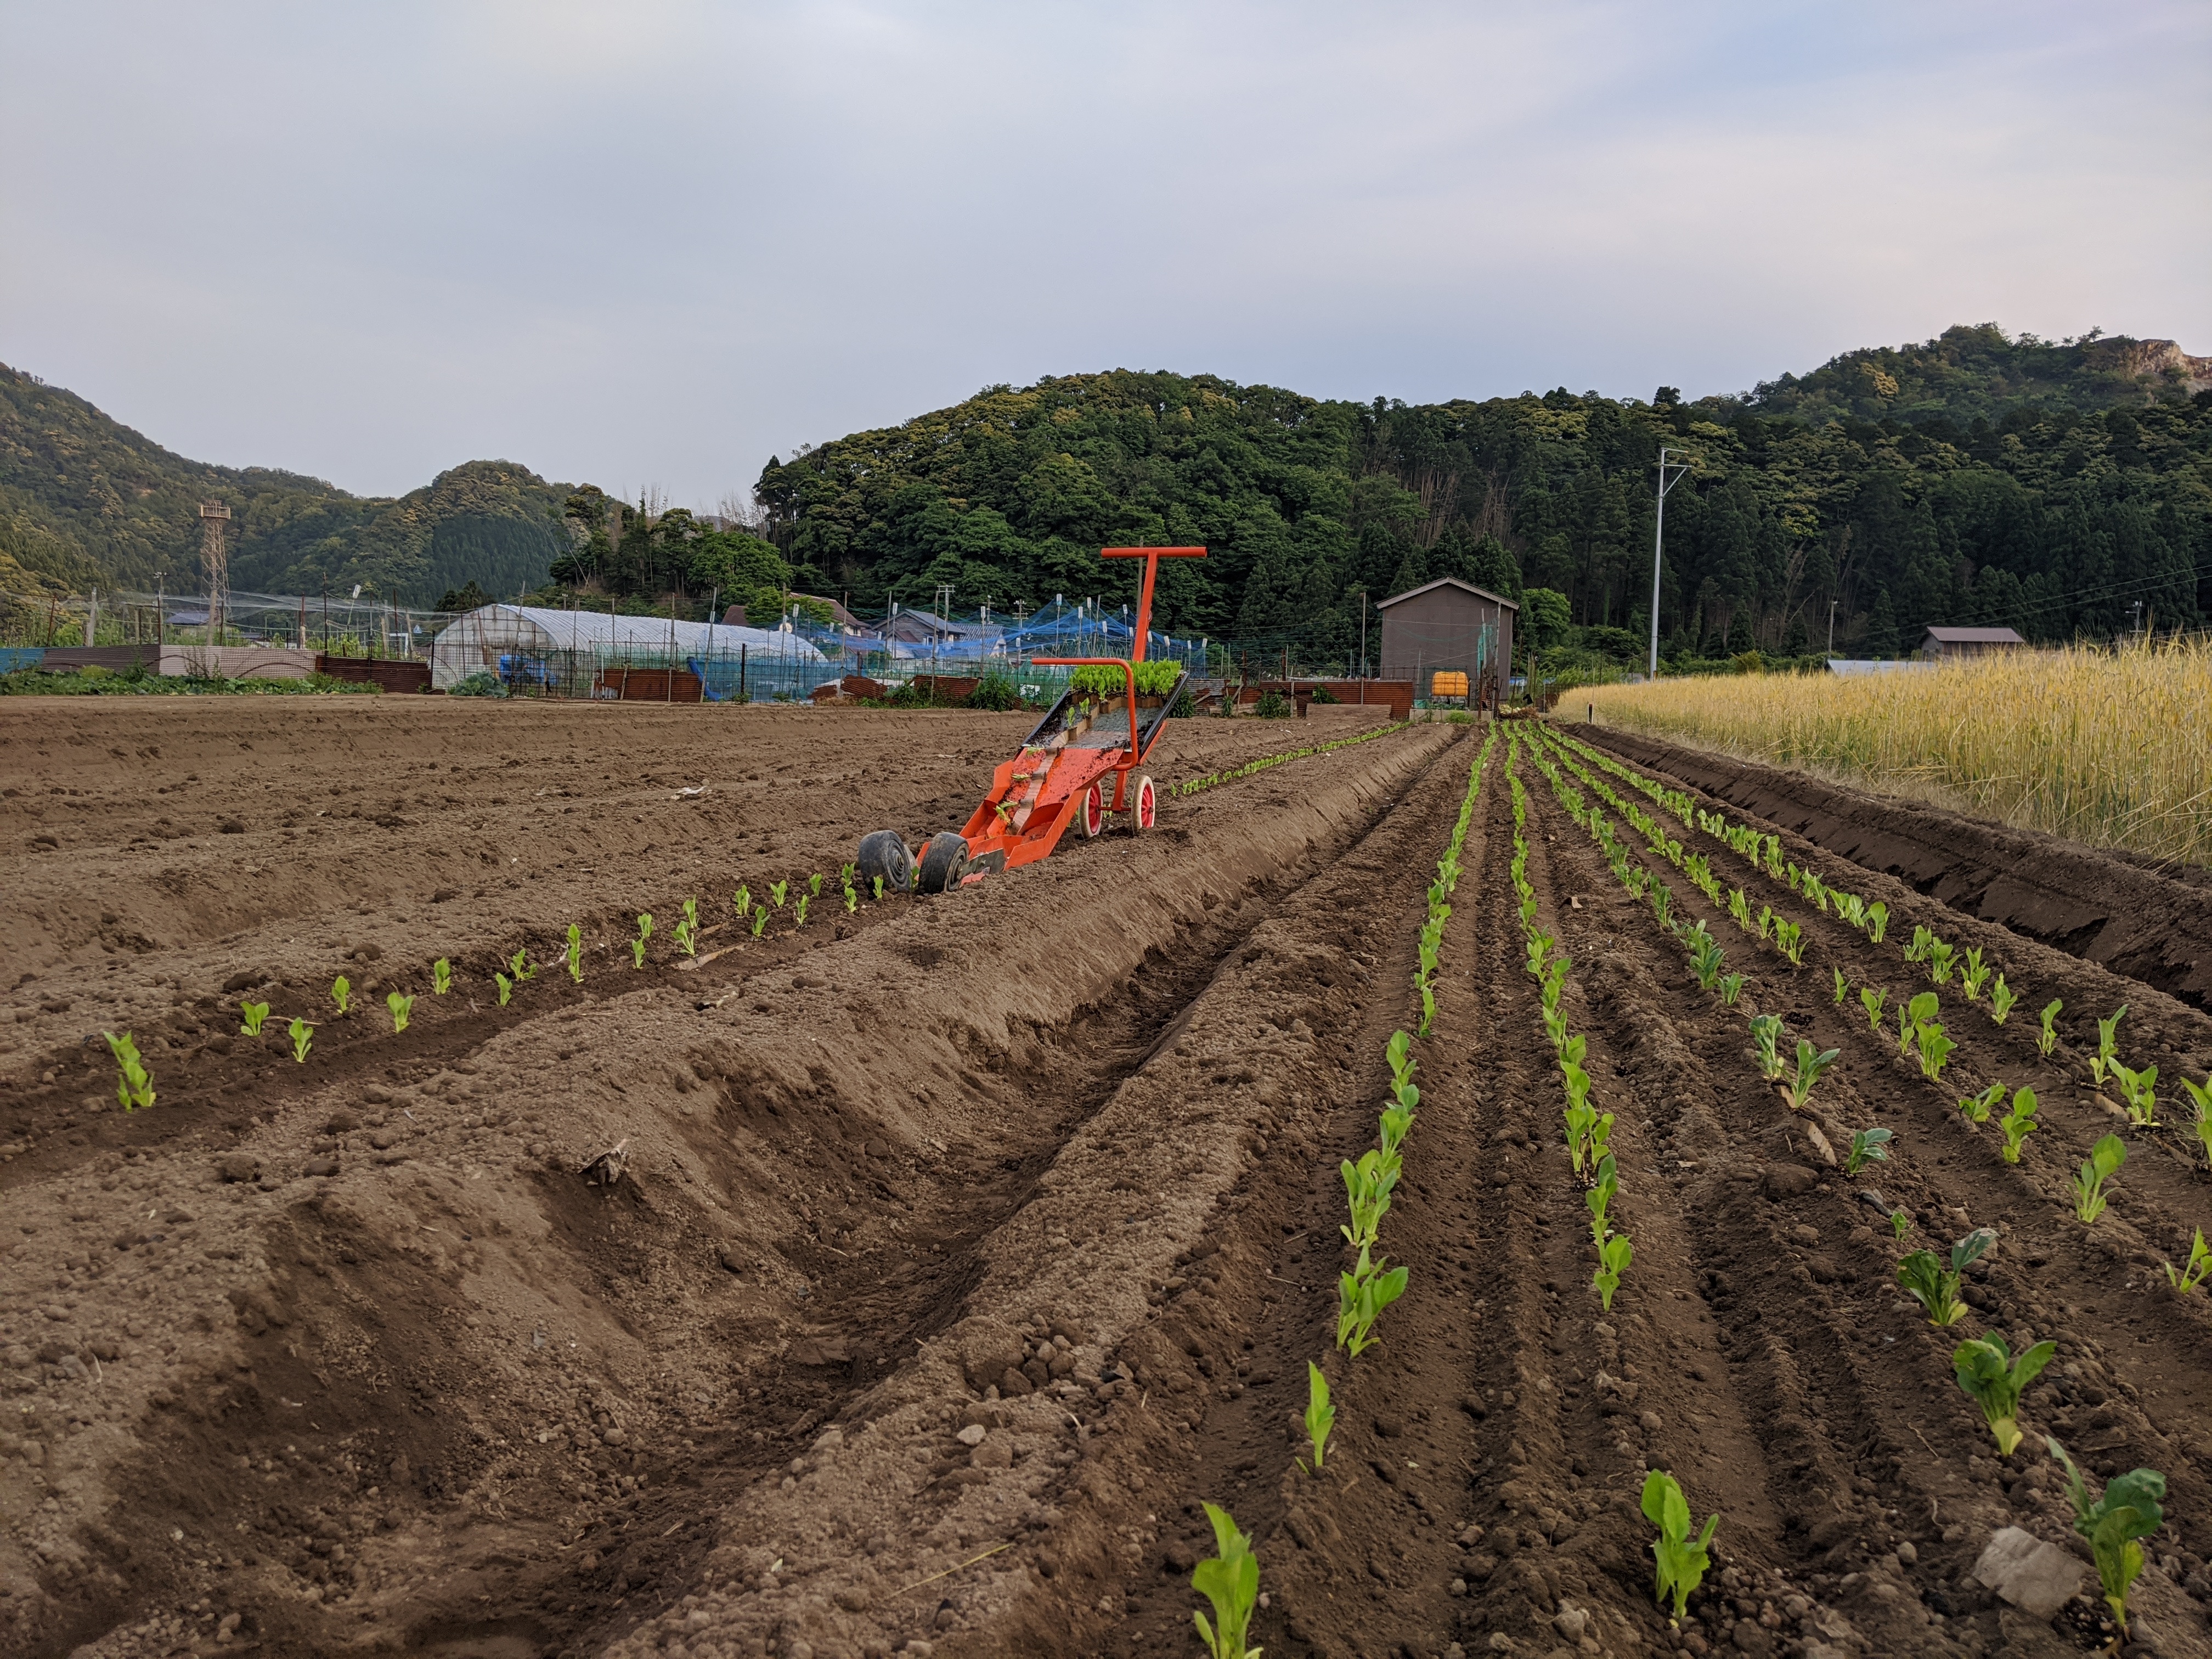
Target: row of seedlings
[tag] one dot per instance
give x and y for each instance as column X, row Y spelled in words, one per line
column 1214, row 780
column 1987, row 1368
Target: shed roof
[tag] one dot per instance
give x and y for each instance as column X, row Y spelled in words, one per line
column 1975, row 636
column 1448, row 581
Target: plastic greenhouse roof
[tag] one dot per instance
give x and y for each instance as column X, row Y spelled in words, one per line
column 577, row 630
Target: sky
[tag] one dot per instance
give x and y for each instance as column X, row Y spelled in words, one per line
column 651, row 245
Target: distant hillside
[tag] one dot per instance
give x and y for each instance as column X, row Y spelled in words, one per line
column 84, row 499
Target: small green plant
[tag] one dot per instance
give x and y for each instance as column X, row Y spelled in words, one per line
column 255, row 1013
column 1976, row 1109
column 1975, row 975
column 687, row 931
column 2129, row 1510
column 1739, row 908
column 1229, row 1579
column 441, row 977
column 134, row 1086
column 1790, row 937
column 760, row 918
column 2108, row 1045
column 1877, row 921
column 2103, row 1162
column 1934, row 1048
column 1868, row 1147
column 814, row 885
column 2140, row 1089
column 744, row 901
column 1941, row 960
column 851, row 898
column 2046, row 1037
column 342, row 993
column 1766, row 923
column 1612, row 1259
column 1842, row 986
column 2200, row 1103
column 644, row 932
column 799, row 910
column 1361, row 1296
column 1871, row 999
column 1367, row 1187
column 520, row 966
column 2192, row 1274
column 403, row 1009
column 2001, row 1001
column 506, row 989
column 1811, row 1063
column 1987, row 1370
column 1321, row 1416
column 777, row 890
column 1599, row 1200
column 2018, row 1124
column 1928, row 1280
column 1765, row 1035
column 1731, row 987
column 1682, row 1561
column 1900, row 1225
column 303, row 1039
column 876, row 882
column 1705, row 956
column 1917, row 951
column 575, row 953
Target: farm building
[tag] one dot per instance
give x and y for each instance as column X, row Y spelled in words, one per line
column 1451, row 627
column 1942, row 642
column 568, row 653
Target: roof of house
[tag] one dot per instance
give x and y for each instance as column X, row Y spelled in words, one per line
column 1975, row 636
column 1448, row 581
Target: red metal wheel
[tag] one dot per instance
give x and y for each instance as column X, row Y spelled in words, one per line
column 1090, row 813
column 1143, row 802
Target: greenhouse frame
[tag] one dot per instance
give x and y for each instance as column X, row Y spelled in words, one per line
column 525, row 651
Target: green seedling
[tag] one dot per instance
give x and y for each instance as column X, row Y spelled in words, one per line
column 1941, row 960
column 1811, row 1063
column 1367, row 1187
column 1663, row 899
column 1976, row 1109
column 2018, row 1124
column 441, row 977
column 1852, row 908
column 744, row 901
column 760, row 918
column 1739, row 908
column 644, row 932
column 1922, row 939
column 303, row 1039
column 2140, row 1089
column 342, row 993
column 1612, row 1259
column 1975, row 975
column 2001, row 1001
column 1321, row 1416
column 2108, row 1045
column 1871, row 999
column 2129, row 1510
column 1790, row 939
column 1926, row 1278
column 1229, row 1579
column 1682, row 1561
column 777, row 890
column 852, row 898
column 575, row 953
column 1986, row 1370
column 2199, row 1264
column 1361, row 1296
column 2046, row 1037
column 520, row 966
column 1877, row 917
column 1731, row 987
column 1599, row 1200
column 134, row 1085
column 1868, row 1147
column 1705, row 956
column 2103, row 1162
column 1765, row 923
column 254, row 1012
column 1765, row 1034
column 687, row 931
column 814, row 885
column 878, row 882
column 1900, row 1225
column 2200, row 1102
column 403, row 1009
column 799, row 910
column 1921, row 1032
column 506, row 989
column 1842, row 986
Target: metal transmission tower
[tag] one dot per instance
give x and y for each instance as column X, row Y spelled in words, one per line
column 1658, row 544
column 215, row 556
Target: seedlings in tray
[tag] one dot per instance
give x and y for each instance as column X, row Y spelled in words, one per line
column 1842, row 986
column 575, row 953
column 2108, row 1045
column 342, row 993
column 644, row 932
column 687, row 931
column 254, row 1013
column 1765, row 1035
column 2001, row 1001
column 1361, row 1296
column 2128, row 1510
column 134, row 1084
column 2046, row 1037
column 1871, row 997
column 1682, row 1560
column 1935, row 1286
column 1987, row 1370
column 441, row 977
column 2139, row 1090
column 1976, row 1109
column 744, row 901
column 1321, row 1416
column 1868, row 1147
column 2018, row 1124
column 2192, row 1274
column 1612, row 1259
column 1229, row 1579
column 1731, row 987
column 1811, row 1063
column 2103, row 1162
column 1705, row 956
column 1975, row 975
column 403, row 1009
column 777, row 890
column 1877, row 921
column 303, row 1039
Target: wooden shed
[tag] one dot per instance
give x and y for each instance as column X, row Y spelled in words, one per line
column 1454, row 627
column 1952, row 642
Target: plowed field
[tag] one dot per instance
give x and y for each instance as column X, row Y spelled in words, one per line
column 958, row 1248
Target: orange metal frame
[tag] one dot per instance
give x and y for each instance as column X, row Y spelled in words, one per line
column 1064, row 775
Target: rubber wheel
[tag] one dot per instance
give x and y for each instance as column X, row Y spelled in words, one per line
column 1143, row 803
column 1090, row 813
column 884, row 853
column 943, row 861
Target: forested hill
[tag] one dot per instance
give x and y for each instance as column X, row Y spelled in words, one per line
column 85, row 501
column 1973, row 479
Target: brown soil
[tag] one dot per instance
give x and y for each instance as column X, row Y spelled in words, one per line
column 349, row 1356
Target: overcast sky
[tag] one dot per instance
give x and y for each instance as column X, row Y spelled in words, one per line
column 655, row 242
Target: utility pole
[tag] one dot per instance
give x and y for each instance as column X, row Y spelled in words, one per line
column 1362, row 591
column 1659, row 544
column 1831, row 628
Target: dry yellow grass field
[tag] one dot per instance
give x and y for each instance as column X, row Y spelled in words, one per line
column 2113, row 748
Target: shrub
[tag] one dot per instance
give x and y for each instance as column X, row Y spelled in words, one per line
column 1273, row 706
column 996, row 692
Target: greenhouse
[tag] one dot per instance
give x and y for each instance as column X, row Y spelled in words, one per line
column 524, row 650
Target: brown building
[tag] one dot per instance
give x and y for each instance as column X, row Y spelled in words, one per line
column 1946, row 642
column 1450, row 625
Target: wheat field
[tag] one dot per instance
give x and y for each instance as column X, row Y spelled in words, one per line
column 2110, row 747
